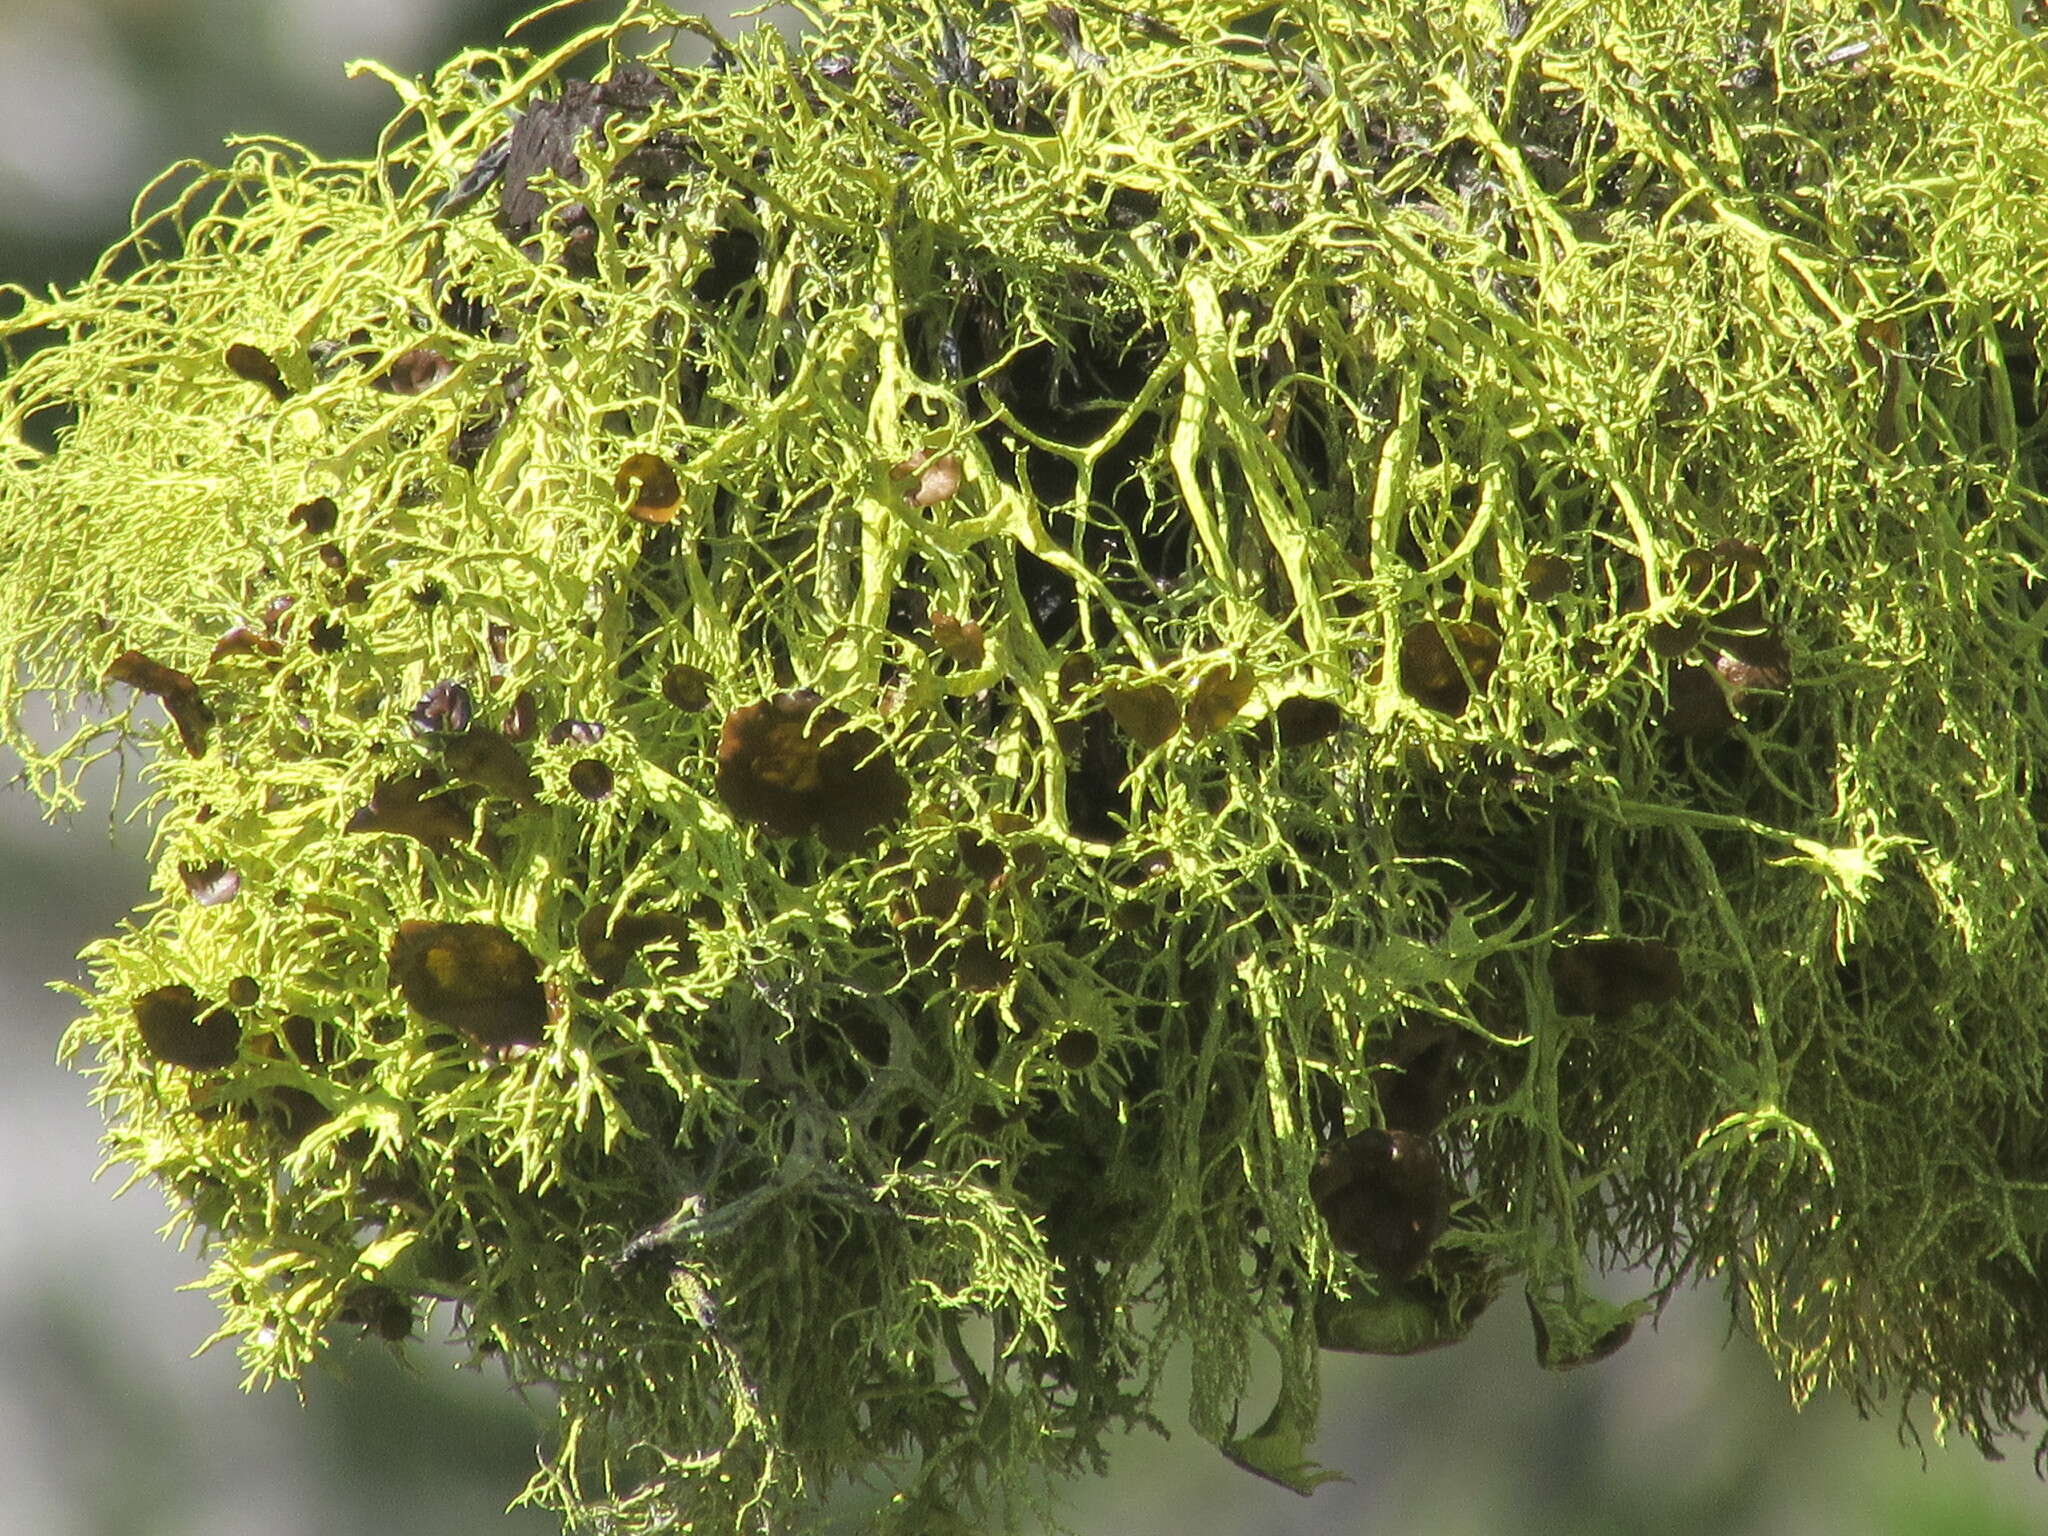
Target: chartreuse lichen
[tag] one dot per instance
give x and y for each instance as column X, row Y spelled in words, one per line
column 1001, row 690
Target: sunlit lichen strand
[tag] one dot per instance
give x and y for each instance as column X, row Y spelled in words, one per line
column 1002, row 691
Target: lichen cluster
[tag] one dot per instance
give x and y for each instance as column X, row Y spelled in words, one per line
column 860, row 734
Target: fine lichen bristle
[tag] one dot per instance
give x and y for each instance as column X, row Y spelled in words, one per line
column 855, row 736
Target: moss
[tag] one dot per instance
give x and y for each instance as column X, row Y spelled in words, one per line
column 854, row 730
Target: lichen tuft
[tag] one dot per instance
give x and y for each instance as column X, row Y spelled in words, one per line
column 862, row 734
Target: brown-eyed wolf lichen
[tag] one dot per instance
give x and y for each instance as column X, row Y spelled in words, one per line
column 842, row 740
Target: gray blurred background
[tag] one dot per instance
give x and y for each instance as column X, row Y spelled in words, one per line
column 107, row 1428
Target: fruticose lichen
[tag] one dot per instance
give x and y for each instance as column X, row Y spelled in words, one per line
column 860, row 734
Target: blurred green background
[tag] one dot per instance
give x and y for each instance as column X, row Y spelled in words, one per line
column 108, row 1429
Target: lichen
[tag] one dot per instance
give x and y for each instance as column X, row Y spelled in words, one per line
column 858, row 736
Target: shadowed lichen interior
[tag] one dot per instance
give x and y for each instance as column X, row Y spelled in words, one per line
column 1007, row 688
